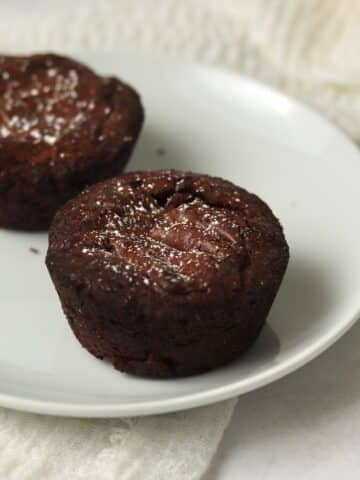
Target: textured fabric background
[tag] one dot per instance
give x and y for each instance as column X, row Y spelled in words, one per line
column 309, row 48
column 174, row 446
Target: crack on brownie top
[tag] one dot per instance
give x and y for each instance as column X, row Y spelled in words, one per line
column 178, row 233
column 44, row 97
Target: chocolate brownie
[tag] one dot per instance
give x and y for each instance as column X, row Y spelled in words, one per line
column 62, row 127
column 166, row 273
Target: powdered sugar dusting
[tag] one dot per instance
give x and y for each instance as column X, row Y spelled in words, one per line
column 40, row 102
column 169, row 234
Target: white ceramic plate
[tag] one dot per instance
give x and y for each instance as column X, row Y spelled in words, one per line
column 210, row 121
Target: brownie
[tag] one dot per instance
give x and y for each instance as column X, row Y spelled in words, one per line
column 166, row 273
column 62, row 127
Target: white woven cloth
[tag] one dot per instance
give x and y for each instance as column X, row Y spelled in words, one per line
column 176, row 446
column 310, row 48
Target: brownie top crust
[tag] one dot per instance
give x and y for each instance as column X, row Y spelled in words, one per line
column 44, row 98
column 181, row 235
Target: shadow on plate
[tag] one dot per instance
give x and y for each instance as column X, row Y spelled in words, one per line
column 304, row 301
column 305, row 297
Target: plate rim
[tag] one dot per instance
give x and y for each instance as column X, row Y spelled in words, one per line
column 187, row 401
column 215, row 394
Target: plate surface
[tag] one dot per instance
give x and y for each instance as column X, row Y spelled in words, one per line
column 205, row 120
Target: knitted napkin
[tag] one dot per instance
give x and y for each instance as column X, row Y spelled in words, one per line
column 309, row 48
column 173, row 446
